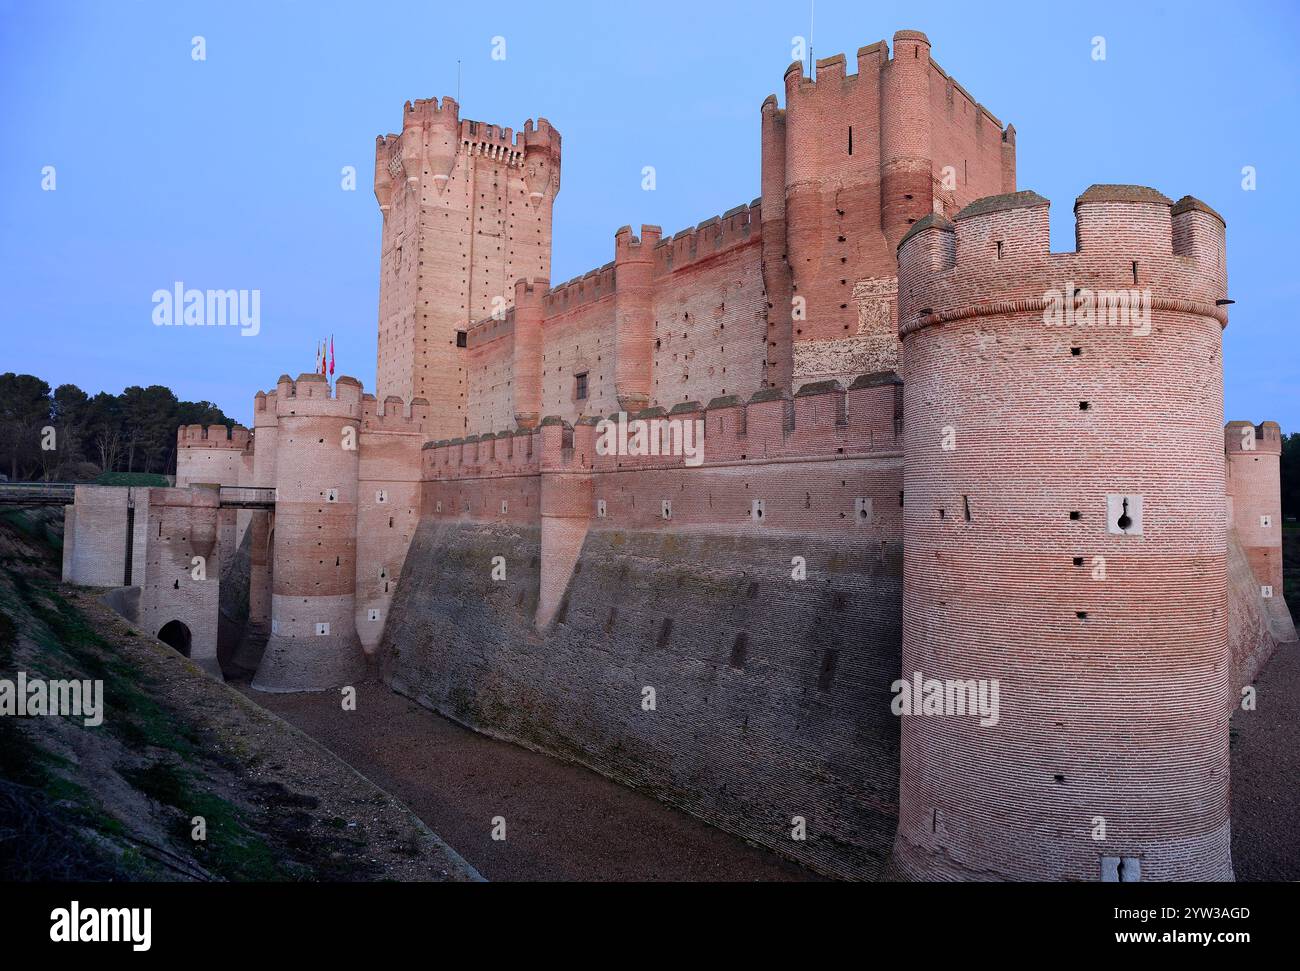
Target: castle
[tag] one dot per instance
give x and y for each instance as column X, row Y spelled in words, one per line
column 932, row 449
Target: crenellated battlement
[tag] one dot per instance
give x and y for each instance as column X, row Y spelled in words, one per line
column 212, row 436
column 433, row 135
column 591, row 286
column 1129, row 240
column 490, row 328
column 310, row 395
column 393, row 414
column 1245, row 436
column 713, row 236
column 833, row 70
column 431, row 111
column 872, row 59
column 821, row 420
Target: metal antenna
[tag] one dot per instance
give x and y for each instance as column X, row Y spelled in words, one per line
column 812, row 21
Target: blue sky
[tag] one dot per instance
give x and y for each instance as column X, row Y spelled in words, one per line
column 226, row 173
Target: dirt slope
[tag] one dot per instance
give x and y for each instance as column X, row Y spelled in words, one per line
column 119, row 801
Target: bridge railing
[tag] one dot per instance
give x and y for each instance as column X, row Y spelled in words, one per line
column 37, row 493
column 247, row 496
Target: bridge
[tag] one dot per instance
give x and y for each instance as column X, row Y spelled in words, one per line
column 36, row 493
column 64, row 493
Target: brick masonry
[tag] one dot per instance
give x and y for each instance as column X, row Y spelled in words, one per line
column 888, row 239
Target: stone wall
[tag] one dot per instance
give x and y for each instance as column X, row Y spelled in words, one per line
column 771, row 696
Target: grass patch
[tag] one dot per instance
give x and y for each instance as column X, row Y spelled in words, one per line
column 150, row 479
column 231, row 849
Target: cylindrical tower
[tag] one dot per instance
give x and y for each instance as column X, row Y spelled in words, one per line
column 776, row 266
column 1065, row 545
column 529, row 312
column 906, row 177
column 314, row 643
column 261, row 523
column 634, row 325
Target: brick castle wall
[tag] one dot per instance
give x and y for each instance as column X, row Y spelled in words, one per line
column 773, row 689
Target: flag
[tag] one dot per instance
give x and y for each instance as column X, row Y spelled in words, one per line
column 331, row 355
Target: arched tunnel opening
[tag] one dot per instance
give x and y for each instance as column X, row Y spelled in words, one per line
column 176, row 635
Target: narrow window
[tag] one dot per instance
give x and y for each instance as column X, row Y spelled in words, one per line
column 462, row 338
column 665, row 633
column 1135, row 271
column 826, row 676
column 850, row 139
column 999, row 249
column 738, row 650
column 965, row 501
column 580, row 386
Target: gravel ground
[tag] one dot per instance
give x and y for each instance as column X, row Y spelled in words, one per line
column 1266, row 774
column 563, row 822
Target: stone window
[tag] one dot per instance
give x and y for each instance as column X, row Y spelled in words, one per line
column 580, row 386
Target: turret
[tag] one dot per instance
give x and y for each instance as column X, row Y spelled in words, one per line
column 634, row 316
column 412, row 146
column 1054, row 559
column 383, row 172
column 541, row 161
column 906, row 186
column 529, row 313
column 313, row 643
column 776, row 267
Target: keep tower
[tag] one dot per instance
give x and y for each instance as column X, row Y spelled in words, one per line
column 467, row 212
column 1064, row 535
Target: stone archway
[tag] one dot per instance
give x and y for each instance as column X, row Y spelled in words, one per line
column 176, row 635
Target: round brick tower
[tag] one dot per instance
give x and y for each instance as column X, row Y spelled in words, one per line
column 314, row 643
column 1065, row 540
column 905, row 167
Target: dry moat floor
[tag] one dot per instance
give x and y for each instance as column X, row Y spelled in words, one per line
column 565, row 822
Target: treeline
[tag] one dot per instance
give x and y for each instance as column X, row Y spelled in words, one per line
column 134, row 431
column 1291, row 476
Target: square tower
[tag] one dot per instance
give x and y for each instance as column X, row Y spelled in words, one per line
column 467, row 212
